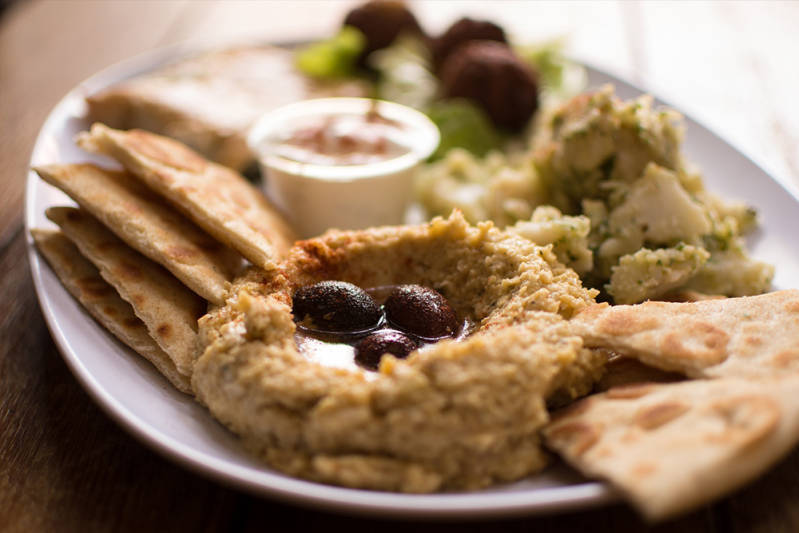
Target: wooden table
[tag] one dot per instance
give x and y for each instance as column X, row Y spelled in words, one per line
column 65, row 466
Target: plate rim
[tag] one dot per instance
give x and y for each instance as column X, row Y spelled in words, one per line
column 548, row 500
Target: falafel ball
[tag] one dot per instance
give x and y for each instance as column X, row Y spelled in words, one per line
column 463, row 31
column 381, row 22
column 489, row 74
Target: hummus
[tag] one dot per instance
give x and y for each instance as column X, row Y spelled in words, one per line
column 461, row 414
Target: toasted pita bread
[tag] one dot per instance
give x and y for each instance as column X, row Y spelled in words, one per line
column 746, row 336
column 168, row 309
column 210, row 100
column 148, row 225
column 82, row 279
column 217, row 198
column 673, row 447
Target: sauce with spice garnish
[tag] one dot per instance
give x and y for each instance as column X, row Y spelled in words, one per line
column 346, row 139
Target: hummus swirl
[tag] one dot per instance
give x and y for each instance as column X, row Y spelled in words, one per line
column 458, row 415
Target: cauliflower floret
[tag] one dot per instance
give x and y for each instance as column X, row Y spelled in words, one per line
column 568, row 235
column 647, row 274
column 499, row 187
column 744, row 216
column 455, row 182
column 660, row 209
column 596, row 142
column 733, row 273
column 656, row 211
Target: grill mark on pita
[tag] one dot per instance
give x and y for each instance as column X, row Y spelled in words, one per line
column 166, row 177
column 630, row 437
column 171, row 153
column 239, row 199
column 753, row 341
column 181, row 253
column 751, row 335
column 644, row 469
column 792, row 307
column 93, row 286
column 700, row 340
column 132, row 208
column 164, row 331
column 628, row 323
column 129, row 270
column 786, row 359
column 747, row 419
column 655, row 416
column 605, row 452
column 626, row 392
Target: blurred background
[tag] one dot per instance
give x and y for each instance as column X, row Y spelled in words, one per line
column 731, row 65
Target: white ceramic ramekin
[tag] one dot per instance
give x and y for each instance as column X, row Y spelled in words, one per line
column 319, row 197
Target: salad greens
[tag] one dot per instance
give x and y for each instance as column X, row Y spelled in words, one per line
column 463, row 125
column 403, row 73
column 333, row 58
column 559, row 77
column 405, row 76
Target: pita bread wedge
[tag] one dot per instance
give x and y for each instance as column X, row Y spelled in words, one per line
column 746, row 336
column 148, row 225
column 216, row 198
column 168, row 309
column 82, row 279
column 673, row 447
column 210, row 100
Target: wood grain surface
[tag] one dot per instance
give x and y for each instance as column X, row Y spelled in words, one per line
column 65, row 466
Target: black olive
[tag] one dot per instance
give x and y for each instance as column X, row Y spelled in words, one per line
column 335, row 306
column 370, row 350
column 421, row 311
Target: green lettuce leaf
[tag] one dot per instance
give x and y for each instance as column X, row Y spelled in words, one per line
column 463, row 125
column 333, row 58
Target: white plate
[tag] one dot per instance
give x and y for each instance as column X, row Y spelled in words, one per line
column 142, row 401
